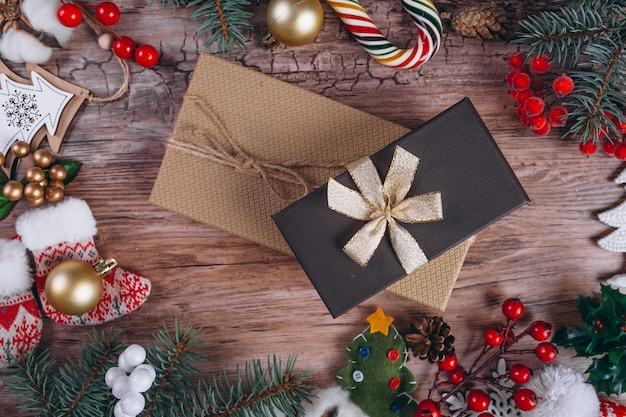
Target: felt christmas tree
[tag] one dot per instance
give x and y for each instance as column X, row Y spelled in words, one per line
column 376, row 376
column 615, row 217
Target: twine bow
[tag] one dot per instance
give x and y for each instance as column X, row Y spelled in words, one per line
column 382, row 206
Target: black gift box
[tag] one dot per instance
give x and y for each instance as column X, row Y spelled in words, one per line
column 458, row 157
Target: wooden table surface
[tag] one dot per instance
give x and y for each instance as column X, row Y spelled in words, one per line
column 253, row 301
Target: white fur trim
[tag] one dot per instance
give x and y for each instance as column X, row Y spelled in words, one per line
column 68, row 221
column 15, row 273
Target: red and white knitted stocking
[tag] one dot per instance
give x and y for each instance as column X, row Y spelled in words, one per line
column 20, row 319
column 65, row 231
column 610, row 408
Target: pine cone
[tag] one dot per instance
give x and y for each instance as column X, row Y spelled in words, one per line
column 478, row 22
column 430, row 339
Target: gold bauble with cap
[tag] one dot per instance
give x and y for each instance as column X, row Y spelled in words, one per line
column 74, row 287
column 293, row 22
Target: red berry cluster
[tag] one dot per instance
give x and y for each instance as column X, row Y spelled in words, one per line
column 499, row 341
column 610, row 146
column 107, row 14
column 539, row 101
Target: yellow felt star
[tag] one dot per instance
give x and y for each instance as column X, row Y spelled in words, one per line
column 379, row 322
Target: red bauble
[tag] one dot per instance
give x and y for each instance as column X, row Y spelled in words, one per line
column 427, row 408
column 546, row 352
column 70, row 15
column 478, row 400
column 448, row 363
column 525, row 399
column 513, row 308
column 520, row 373
column 108, row 13
column 124, row 47
column 147, row 56
column 540, row 330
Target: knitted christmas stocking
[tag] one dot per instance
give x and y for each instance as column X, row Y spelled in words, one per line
column 20, row 319
column 65, row 231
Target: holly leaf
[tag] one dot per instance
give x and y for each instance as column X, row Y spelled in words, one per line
column 577, row 337
column 5, row 207
column 606, row 376
column 3, row 178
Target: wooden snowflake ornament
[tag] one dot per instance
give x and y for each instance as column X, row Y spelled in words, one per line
column 615, row 217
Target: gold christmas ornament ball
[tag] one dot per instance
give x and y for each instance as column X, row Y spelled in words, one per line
column 13, row 190
column 2, row 159
column 43, row 158
column 73, row 287
column 105, row 41
column 34, row 174
column 54, row 194
column 20, row 149
column 43, row 183
column 35, row 202
column 33, row 191
column 57, row 184
column 295, row 22
column 57, row 172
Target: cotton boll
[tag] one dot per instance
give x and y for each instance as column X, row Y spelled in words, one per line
column 21, row 47
column 333, row 397
column 134, row 355
column 563, row 393
column 140, row 380
column 42, row 16
column 111, row 376
column 121, row 388
column 119, row 412
column 133, row 403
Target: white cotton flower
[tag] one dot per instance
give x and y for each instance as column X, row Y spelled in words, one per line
column 618, row 282
column 563, row 392
column 42, row 14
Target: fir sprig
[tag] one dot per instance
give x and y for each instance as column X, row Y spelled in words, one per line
column 225, row 20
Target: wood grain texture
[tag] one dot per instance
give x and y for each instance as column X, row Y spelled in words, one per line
column 253, row 301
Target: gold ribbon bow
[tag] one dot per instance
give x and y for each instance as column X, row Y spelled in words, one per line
column 382, row 205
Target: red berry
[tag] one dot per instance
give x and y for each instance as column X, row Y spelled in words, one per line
column 546, row 352
column 457, row 376
column 588, row 148
column 493, row 337
column 516, row 61
column 542, row 131
column 540, row 64
column 485, row 415
column 621, row 126
column 557, row 116
column 525, row 399
column 520, row 373
column 522, row 96
column 620, row 151
column 477, row 400
column 124, row 47
column 108, row 13
column 563, row 85
column 513, row 308
column 146, row 56
column 534, row 106
column 427, row 408
column 608, row 148
column 70, row 15
column 521, row 81
column 538, row 122
column 448, row 363
column 540, row 330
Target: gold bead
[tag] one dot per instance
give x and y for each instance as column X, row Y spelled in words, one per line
column 54, row 194
column 57, row 172
column 20, row 149
column 13, row 190
column 43, row 183
column 2, row 159
column 295, row 22
column 57, row 184
column 33, row 191
column 43, row 158
column 35, row 202
column 35, row 174
column 73, row 287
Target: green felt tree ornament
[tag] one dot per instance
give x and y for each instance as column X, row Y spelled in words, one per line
column 376, row 375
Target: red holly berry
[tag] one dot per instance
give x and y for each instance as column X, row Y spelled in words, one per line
column 588, row 148
column 520, row 373
column 70, row 15
column 146, row 56
column 621, row 126
column 124, row 47
column 516, row 61
column 557, row 116
column 522, row 96
column 521, row 81
column 563, row 85
column 108, row 13
column 513, row 308
column 457, row 376
column 534, row 106
column 608, row 148
column 448, row 363
column 542, row 131
column 509, row 77
column 538, row 122
column 493, row 337
column 427, row 408
column 620, row 151
column 525, row 399
column 540, row 64
column 540, row 330
column 477, row 400
column 546, row 352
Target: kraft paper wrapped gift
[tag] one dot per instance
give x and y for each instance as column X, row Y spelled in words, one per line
column 412, row 201
column 245, row 145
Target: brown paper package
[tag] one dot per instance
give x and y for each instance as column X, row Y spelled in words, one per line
column 245, row 145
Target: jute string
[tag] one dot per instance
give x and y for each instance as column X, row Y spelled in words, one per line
column 237, row 158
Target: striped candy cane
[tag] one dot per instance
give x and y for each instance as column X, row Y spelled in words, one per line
column 424, row 15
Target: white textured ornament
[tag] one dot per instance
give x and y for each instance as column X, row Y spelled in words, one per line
column 615, row 217
column 133, row 403
column 119, row 412
column 618, row 282
column 121, row 387
column 112, row 374
column 122, row 363
column 134, row 355
column 141, row 379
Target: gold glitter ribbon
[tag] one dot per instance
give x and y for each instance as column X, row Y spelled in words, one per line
column 383, row 206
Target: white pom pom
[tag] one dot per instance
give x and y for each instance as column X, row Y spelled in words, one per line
column 148, row 368
column 119, row 412
column 111, row 376
column 133, row 403
column 140, row 380
column 563, row 393
column 134, row 355
column 123, row 363
column 121, row 388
